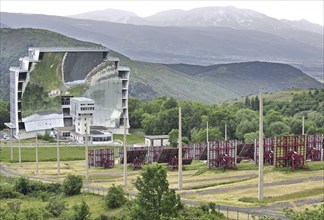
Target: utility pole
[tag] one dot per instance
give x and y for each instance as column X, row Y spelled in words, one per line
column 260, row 182
column 180, row 153
column 207, row 141
column 225, row 132
column 19, row 149
column 303, row 125
column 86, row 155
column 36, row 155
column 11, row 150
column 57, row 152
column 125, row 152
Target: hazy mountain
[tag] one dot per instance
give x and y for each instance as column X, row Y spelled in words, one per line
column 193, row 45
column 229, row 17
column 305, row 25
column 112, row 15
column 3, row 25
column 209, row 84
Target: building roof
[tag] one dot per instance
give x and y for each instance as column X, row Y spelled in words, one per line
column 157, row 137
column 82, row 99
column 69, row 49
column 17, row 69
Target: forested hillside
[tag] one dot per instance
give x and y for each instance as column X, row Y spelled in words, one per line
column 281, row 117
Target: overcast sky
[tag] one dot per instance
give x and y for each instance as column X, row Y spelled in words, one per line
column 311, row 10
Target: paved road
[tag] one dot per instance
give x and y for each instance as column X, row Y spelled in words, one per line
column 273, row 210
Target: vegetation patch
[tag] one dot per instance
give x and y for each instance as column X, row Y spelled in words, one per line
column 292, row 196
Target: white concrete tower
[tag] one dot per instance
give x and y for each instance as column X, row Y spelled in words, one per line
column 82, row 112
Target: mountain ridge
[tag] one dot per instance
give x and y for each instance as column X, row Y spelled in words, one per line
column 204, row 16
column 208, row 84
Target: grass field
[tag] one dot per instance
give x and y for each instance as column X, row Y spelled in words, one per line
column 230, row 187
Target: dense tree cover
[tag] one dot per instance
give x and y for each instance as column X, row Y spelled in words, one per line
column 4, row 113
column 160, row 116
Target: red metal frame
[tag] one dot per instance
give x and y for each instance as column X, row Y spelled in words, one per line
column 222, row 154
column 101, row 158
column 315, row 147
column 290, row 151
column 268, row 150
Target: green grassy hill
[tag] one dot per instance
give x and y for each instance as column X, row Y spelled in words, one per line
column 208, row 84
column 280, row 96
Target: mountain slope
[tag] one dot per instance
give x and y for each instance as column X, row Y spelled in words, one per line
column 232, row 17
column 112, row 15
column 194, row 45
column 208, row 84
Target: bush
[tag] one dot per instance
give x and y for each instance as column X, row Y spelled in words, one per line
column 317, row 212
column 34, row 213
column 72, row 185
column 22, row 185
column 26, row 186
column 56, row 206
column 81, row 211
column 115, row 197
column 7, row 192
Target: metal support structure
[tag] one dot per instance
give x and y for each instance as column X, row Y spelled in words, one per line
column 125, row 153
column 58, row 153
column 260, row 182
column 36, row 155
column 180, row 153
column 19, row 149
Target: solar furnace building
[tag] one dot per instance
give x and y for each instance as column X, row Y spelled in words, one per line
column 44, row 82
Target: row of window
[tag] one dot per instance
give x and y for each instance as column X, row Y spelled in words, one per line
column 101, row 139
column 87, row 108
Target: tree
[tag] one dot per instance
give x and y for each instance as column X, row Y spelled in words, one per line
column 200, row 136
column 247, row 102
column 22, row 185
column 81, row 211
column 115, row 197
column 154, row 199
column 4, row 113
column 56, row 206
column 250, row 137
column 317, row 212
column 72, row 185
column 173, row 137
column 278, row 128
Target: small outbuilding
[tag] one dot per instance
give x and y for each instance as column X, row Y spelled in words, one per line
column 157, row 140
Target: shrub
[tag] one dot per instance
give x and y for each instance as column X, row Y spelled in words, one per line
column 317, row 212
column 55, row 206
column 115, row 197
column 72, row 185
column 22, row 185
column 26, row 186
column 81, row 211
column 34, row 214
column 7, row 192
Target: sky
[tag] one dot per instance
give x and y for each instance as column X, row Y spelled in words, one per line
column 311, row 10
